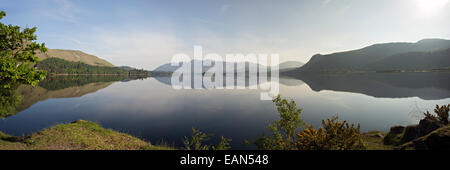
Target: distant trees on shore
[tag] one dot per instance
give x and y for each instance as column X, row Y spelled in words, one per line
column 60, row 66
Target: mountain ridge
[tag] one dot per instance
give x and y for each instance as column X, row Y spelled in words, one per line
column 363, row 59
column 74, row 56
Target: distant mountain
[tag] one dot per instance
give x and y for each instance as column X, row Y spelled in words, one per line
column 75, row 56
column 166, row 68
column 415, row 60
column 290, row 65
column 169, row 68
column 128, row 68
column 424, row 54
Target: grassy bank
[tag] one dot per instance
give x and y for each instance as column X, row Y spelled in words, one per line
column 79, row 135
column 374, row 141
column 84, row 135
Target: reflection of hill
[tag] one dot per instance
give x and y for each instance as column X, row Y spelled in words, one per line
column 287, row 81
column 164, row 79
column 62, row 82
column 55, row 87
column 428, row 86
column 32, row 95
column 170, row 68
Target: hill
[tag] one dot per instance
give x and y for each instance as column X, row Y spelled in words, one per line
column 169, row 68
column 290, row 65
column 427, row 53
column 75, row 56
column 61, row 66
column 415, row 61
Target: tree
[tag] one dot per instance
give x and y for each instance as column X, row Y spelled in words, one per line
column 291, row 133
column 284, row 130
column 17, row 55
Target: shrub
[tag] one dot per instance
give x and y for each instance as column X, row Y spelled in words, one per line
column 198, row 137
column 441, row 112
column 334, row 135
column 291, row 133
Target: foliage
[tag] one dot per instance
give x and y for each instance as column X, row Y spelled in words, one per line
column 334, row 135
column 17, row 55
column 62, row 82
column 79, row 135
column 195, row 142
column 393, row 139
column 223, row 144
column 283, row 130
column 60, row 66
column 441, row 112
column 291, row 133
column 9, row 99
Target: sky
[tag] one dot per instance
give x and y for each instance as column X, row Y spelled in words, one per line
column 147, row 33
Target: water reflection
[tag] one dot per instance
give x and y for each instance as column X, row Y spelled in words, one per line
column 21, row 97
column 428, row 86
column 151, row 109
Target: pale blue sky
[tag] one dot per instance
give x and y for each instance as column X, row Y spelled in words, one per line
column 146, row 34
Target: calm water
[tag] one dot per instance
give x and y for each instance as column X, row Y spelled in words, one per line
column 150, row 109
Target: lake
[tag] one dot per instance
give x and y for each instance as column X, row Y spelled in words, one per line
column 151, row 109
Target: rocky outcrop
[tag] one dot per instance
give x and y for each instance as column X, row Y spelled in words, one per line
column 436, row 140
column 394, row 136
column 410, row 133
column 397, row 129
column 432, row 132
column 425, row 126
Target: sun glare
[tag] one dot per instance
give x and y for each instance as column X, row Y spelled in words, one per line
column 430, row 8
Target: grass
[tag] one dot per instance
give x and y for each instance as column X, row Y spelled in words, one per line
column 85, row 135
column 79, row 135
column 75, row 56
column 374, row 141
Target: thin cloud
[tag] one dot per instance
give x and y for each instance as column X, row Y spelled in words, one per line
column 225, row 8
column 62, row 10
column 325, row 2
column 142, row 49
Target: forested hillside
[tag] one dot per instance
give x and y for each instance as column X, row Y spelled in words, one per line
column 60, row 66
column 75, row 56
column 424, row 54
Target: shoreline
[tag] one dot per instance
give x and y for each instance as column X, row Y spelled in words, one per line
column 85, row 135
column 78, row 135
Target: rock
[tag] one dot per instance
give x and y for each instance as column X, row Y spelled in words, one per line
column 79, row 121
column 397, row 129
column 410, row 133
column 379, row 135
column 424, row 127
column 437, row 140
column 375, row 134
column 428, row 125
column 394, row 136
